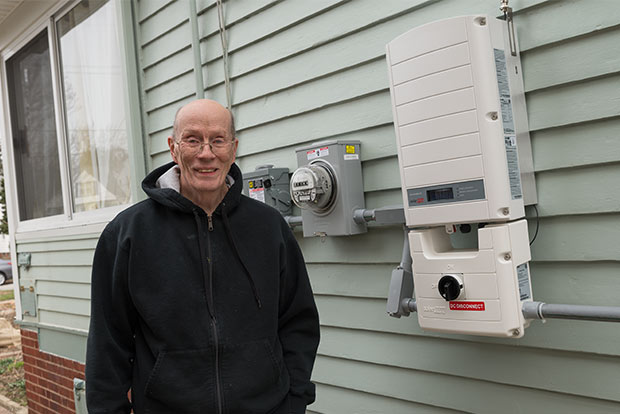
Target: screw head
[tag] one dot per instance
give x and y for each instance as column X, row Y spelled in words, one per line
column 483, row 21
column 516, row 332
column 507, row 256
column 494, row 116
column 505, row 211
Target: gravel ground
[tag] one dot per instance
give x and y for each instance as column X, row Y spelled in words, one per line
column 11, row 365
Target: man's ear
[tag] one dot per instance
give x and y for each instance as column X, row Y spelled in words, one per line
column 173, row 147
column 235, row 145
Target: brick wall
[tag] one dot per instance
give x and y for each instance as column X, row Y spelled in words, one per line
column 49, row 378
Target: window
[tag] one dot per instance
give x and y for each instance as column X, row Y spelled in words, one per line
column 67, row 114
column 35, row 146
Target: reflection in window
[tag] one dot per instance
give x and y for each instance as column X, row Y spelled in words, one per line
column 94, row 106
column 35, row 145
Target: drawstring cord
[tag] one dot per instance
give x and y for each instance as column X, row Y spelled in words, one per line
column 234, row 245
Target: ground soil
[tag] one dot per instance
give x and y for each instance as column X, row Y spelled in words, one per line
column 11, row 362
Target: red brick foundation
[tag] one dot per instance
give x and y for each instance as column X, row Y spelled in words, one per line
column 49, row 378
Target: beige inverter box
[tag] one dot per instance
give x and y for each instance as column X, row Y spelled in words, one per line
column 464, row 155
column 459, row 114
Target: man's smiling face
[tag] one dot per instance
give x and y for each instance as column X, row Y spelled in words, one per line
column 203, row 172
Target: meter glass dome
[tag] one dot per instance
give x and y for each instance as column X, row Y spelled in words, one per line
column 314, row 187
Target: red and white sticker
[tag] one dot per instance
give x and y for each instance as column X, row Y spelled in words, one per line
column 257, row 194
column 317, row 152
column 467, row 306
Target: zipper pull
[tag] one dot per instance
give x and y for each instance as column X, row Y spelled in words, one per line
column 210, row 222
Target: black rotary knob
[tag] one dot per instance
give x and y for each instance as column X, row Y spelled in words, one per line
column 450, row 287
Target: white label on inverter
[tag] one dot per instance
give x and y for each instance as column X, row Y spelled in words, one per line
column 258, row 194
column 514, row 175
column 524, row 281
column 504, row 92
column 512, row 157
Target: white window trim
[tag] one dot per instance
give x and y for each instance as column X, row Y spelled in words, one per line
column 79, row 221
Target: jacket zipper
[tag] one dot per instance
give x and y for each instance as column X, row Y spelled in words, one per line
column 218, row 386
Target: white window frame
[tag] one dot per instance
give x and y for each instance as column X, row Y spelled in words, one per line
column 69, row 222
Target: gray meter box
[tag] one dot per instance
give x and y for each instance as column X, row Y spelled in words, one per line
column 341, row 159
column 271, row 186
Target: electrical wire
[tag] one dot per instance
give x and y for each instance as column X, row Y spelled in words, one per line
column 222, row 27
column 504, row 8
column 537, row 224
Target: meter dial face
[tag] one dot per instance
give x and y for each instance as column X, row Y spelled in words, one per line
column 313, row 187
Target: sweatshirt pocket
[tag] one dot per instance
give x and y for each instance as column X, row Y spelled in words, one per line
column 182, row 382
column 254, row 377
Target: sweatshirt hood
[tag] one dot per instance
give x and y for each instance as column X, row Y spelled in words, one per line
column 162, row 186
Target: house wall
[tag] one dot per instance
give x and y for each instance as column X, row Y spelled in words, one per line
column 53, row 290
column 303, row 71
column 306, row 71
column 60, row 275
column 49, row 378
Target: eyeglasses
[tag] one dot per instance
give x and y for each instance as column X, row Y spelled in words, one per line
column 217, row 145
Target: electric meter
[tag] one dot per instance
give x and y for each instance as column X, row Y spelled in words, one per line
column 328, row 188
column 314, row 187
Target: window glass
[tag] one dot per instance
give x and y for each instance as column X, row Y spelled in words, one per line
column 35, row 145
column 94, row 106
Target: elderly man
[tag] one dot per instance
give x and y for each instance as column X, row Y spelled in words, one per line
column 200, row 297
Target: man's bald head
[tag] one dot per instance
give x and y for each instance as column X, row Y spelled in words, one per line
column 205, row 105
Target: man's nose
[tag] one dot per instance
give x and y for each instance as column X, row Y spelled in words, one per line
column 205, row 151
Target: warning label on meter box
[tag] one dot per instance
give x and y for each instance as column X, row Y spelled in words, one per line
column 317, row 152
column 467, row 306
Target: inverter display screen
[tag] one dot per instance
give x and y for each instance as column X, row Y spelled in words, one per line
column 440, row 194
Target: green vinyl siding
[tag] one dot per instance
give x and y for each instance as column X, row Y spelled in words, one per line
column 66, row 344
column 60, row 272
column 304, row 71
column 347, row 400
column 566, row 147
column 462, row 394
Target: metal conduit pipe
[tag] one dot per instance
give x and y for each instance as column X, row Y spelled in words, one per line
column 406, row 262
column 361, row 216
column 293, row 221
column 401, row 283
column 410, row 304
column 541, row 310
column 382, row 215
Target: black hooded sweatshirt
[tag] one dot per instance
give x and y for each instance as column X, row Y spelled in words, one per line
column 200, row 314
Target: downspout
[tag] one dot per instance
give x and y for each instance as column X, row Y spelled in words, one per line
column 198, row 78
column 224, row 41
